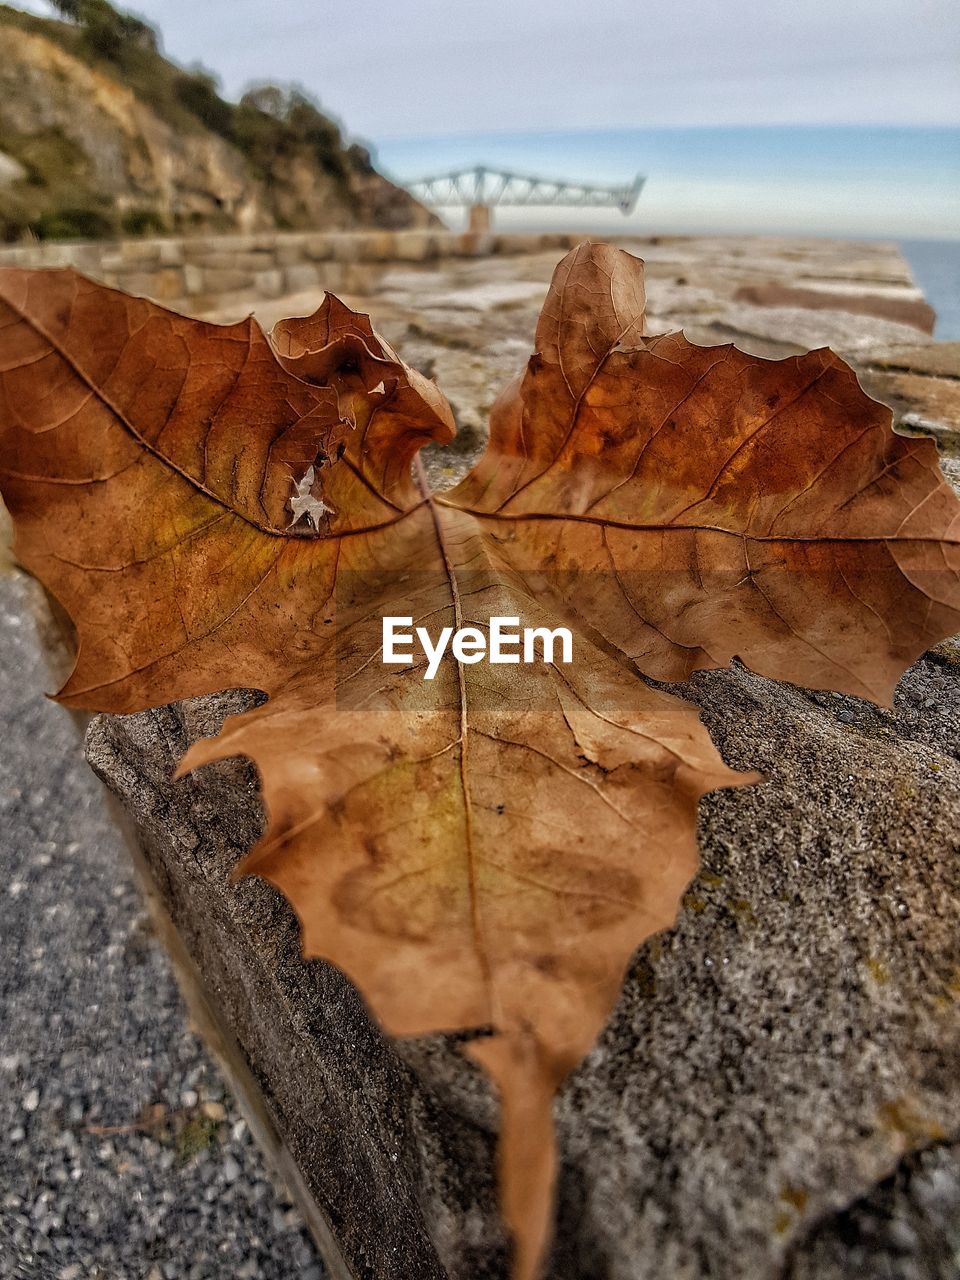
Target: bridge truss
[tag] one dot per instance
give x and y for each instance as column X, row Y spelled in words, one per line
column 481, row 187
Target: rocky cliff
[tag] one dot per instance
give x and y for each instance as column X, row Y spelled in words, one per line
column 101, row 135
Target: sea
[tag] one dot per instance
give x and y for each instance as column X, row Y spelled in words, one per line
column 859, row 182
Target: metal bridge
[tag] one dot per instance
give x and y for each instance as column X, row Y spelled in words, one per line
column 479, row 189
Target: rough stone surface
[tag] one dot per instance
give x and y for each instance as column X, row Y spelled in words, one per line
column 91, row 135
column 908, row 1229
column 470, row 324
column 772, row 1061
column 914, row 312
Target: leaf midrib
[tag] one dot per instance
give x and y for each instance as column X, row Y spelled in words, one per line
column 476, row 922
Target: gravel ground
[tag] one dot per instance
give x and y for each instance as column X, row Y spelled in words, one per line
column 121, row 1155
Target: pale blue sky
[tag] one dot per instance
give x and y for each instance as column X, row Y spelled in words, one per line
column 856, row 180
column 395, row 68
column 581, row 91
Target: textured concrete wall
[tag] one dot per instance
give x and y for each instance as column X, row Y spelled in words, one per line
column 209, row 272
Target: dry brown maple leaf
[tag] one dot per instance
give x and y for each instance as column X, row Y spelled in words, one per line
column 484, row 850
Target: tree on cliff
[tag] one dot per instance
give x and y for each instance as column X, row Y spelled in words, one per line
column 80, row 171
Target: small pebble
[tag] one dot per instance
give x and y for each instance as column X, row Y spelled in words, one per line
column 94, row 1034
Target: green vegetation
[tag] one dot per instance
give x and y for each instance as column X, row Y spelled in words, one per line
column 74, row 222
column 143, row 222
column 57, row 199
column 270, row 127
column 197, row 1134
column 124, row 48
column 109, row 34
column 196, row 92
column 270, row 122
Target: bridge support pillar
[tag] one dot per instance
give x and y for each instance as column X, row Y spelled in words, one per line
column 480, row 219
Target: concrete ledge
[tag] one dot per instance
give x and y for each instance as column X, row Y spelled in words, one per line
column 790, row 1050
column 204, row 273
